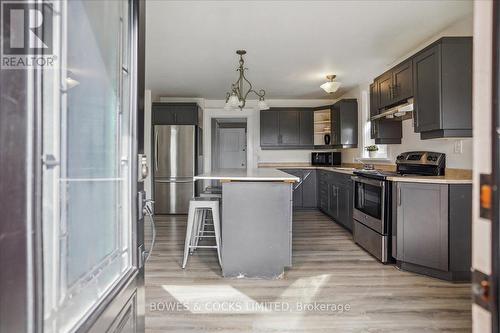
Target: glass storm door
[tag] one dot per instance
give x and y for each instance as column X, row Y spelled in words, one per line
column 91, row 275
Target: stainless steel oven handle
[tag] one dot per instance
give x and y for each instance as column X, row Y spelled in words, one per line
column 399, row 195
column 368, row 181
column 362, row 197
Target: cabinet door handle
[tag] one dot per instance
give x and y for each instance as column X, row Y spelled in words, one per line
column 399, row 195
column 156, row 150
column 415, row 115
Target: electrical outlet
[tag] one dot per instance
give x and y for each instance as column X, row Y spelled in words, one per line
column 457, row 148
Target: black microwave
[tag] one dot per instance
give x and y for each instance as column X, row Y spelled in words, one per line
column 326, row 158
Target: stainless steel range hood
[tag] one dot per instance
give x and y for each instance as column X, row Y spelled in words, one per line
column 398, row 111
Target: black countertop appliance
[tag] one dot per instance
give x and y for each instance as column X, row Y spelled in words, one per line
column 331, row 158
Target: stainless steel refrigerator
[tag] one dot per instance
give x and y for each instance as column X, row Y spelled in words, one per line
column 177, row 151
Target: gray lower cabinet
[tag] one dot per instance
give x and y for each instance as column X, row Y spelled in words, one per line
column 423, row 224
column 335, row 196
column 305, row 192
column 329, row 191
column 346, row 203
column 322, row 190
column 309, row 189
column 431, row 223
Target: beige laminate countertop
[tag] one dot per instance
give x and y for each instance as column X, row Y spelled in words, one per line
column 431, row 179
column 453, row 176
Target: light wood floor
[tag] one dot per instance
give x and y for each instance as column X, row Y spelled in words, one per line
column 328, row 268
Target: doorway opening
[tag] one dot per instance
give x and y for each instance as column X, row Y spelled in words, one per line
column 229, row 143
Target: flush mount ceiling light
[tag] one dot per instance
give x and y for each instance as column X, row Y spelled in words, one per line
column 238, row 96
column 330, row 86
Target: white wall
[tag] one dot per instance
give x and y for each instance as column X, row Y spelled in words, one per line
column 411, row 140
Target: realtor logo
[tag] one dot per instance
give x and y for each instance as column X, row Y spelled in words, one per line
column 27, row 32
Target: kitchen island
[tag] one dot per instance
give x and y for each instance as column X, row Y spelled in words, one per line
column 256, row 222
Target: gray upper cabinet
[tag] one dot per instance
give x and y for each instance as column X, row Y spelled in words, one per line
column 422, row 224
column 345, row 124
column 402, row 81
column 293, row 128
column 384, row 89
column 394, row 85
column 289, row 128
column 427, row 82
column 374, row 100
column 439, row 78
column 269, row 128
column 286, row 128
column 386, row 131
column 383, row 131
column 442, row 76
column 306, row 136
column 175, row 113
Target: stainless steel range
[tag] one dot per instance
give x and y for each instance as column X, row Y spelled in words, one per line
column 373, row 198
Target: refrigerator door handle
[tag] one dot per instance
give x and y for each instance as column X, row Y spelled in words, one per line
column 156, row 149
column 189, row 180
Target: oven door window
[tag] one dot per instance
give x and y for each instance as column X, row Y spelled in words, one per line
column 368, row 199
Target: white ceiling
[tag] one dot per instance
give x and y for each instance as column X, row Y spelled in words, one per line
column 291, row 45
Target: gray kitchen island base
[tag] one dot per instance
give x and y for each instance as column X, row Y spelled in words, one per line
column 256, row 228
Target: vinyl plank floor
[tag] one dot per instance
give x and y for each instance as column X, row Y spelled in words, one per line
column 333, row 286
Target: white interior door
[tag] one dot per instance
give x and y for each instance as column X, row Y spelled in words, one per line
column 232, row 148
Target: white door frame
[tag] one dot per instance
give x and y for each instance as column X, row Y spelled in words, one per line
column 209, row 114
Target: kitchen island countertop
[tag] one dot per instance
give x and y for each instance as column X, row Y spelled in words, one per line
column 250, row 174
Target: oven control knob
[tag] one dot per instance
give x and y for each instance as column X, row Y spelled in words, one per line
column 429, row 158
column 400, row 157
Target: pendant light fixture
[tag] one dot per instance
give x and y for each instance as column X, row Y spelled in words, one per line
column 330, row 86
column 238, row 96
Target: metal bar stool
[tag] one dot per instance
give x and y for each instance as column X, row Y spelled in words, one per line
column 198, row 207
